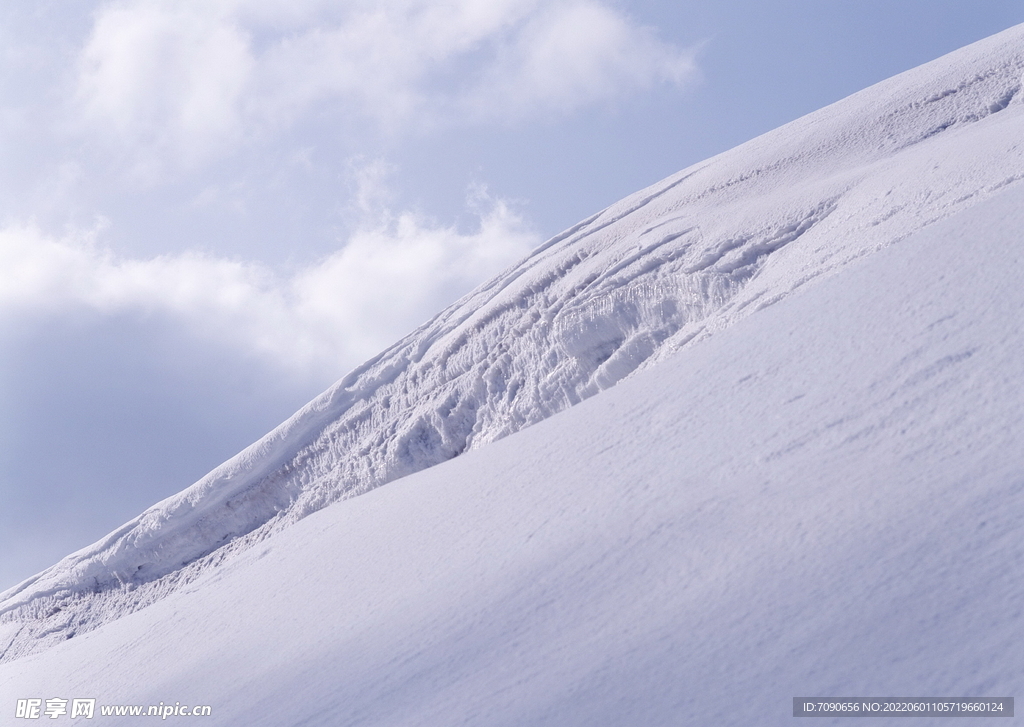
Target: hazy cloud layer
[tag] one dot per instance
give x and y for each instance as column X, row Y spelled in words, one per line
column 183, row 81
column 316, row 321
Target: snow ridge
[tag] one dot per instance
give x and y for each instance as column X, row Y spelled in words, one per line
column 650, row 275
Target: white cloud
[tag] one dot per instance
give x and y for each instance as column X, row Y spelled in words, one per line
column 169, row 78
column 183, row 80
column 320, row 320
column 574, row 53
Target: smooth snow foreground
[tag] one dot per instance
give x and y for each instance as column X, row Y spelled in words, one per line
column 805, row 481
column 825, row 499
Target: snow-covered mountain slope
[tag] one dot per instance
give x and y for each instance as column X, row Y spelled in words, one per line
column 656, row 274
column 825, row 499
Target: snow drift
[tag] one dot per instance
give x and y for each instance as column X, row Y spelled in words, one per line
column 657, row 276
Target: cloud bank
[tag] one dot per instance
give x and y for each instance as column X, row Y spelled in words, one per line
column 182, row 81
column 314, row 322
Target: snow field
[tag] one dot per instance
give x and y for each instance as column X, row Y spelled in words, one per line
column 638, row 288
column 823, row 499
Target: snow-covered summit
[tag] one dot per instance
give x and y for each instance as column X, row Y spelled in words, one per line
column 651, row 275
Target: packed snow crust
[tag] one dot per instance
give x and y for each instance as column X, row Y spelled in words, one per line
column 653, row 277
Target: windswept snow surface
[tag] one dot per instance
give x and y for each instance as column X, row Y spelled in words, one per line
column 666, row 271
column 825, row 499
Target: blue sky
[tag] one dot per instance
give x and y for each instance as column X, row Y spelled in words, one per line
column 212, row 209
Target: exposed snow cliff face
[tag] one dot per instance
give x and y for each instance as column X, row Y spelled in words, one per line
column 647, row 277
